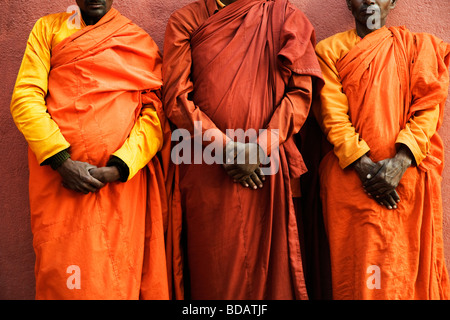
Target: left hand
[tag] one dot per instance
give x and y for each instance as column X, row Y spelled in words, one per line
column 384, row 183
column 245, row 165
column 105, row 174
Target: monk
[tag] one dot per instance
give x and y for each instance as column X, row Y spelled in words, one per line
column 86, row 100
column 244, row 65
column 381, row 108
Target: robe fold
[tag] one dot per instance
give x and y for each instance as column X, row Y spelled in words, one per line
column 385, row 90
column 247, row 66
column 102, row 99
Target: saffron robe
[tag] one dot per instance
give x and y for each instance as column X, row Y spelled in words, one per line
column 382, row 91
column 94, row 90
column 247, row 66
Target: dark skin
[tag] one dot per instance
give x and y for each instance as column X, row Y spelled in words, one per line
column 361, row 14
column 379, row 179
column 93, row 10
column 248, row 174
column 242, row 164
column 77, row 175
column 227, row 2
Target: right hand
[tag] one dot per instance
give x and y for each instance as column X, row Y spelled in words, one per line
column 75, row 176
column 242, row 164
column 366, row 170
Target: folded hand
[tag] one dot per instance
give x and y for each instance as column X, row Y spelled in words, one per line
column 243, row 164
column 75, row 176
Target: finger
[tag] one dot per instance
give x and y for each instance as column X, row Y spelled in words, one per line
column 94, row 184
column 377, row 189
column 386, row 204
column 381, row 192
column 395, row 196
column 256, row 180
column 372, row 191
column 244, row 183
column 87, row 188
column 251, row 184
column 90, row 167
column 392, row 203
column 372, row 181
column 260, row 174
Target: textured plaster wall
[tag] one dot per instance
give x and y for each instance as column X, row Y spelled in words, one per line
column 16, row 20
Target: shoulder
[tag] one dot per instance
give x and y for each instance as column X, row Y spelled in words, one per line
column 336, row 46
column 293, row 21
column 409, row 37
column 47, row 27
column 421, row 41
column 337, row 40
column 189, row 17
column 53, row 20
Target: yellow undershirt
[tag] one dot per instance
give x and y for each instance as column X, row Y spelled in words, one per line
column 348, row 146
column 220, row 4
column 29, row 110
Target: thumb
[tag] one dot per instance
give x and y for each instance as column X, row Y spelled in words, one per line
column 89, row 167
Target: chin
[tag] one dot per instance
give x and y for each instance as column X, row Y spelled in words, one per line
column 96, row 13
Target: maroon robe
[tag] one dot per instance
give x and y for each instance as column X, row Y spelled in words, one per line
column 247, row 66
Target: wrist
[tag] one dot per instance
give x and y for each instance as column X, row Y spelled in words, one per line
column 114, row 173
column 405, row 156
column 57, row 160
column 122, row 168
column 359, row 163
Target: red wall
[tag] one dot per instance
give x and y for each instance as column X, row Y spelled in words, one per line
column 17, row 19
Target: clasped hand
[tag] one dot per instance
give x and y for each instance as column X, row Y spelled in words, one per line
column 380, row 179
column 242, row 164
column 84, row 178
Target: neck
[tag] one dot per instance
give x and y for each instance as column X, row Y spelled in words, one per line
column 227, row 2
column 88, row 20
column 362, row 30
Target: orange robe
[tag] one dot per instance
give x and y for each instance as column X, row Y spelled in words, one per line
column 384, row 90
column 100, row 87
column 247, row 66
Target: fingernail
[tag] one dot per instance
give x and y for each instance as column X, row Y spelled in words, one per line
column 390, row 207
column 395, row 207
column 369, row 176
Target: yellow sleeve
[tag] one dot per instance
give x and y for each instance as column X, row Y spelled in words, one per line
column 332, row 111
column 145, row 139
column 418, row 132
column 28, row 106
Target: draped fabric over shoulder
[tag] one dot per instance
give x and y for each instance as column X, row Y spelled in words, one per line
column 395, row 84
column 103, row 85
column 247, row 66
